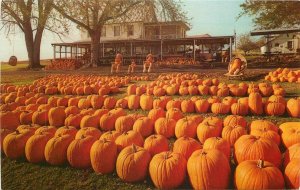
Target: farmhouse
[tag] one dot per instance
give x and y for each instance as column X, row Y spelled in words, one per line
column 137, row 39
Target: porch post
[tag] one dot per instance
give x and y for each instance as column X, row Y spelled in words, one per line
column 230, row 48
column 161, row 49
column 194, row 50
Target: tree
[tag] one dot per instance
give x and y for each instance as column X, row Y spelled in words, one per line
column 246, row 43
column 32, row 17
column 91, row 15
column 272, row 14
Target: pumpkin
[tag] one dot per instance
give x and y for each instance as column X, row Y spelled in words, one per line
column 103, row 156
column 210, row 127
column 293, row 152
column 204, row 170
column 235, row 65
column 292, row 174
column 107, row 121
column 132, row 163
column 239, row 109
column 46, row 129
column 173, row 104
column 232, row 133
column 165, row 127
column 133, row 102
column 229, row 100
column 72, row 110
column 74, row 120
column 174, row 113
column 293, row 107
column 88, row 131
column 162, row 168
column 97, row 101
column 57, row 116
column 78, row 152
column 268, row 134
column 40, row 117
column 201, row 106
column 185, row 127
column 233, row 120
column 222, row 92
column 274, row 109
column 249, row 147
column 255, row 103
column 128, row 138
column 290, row 136
column 187, row 106
column 9, row 120
column 203, row 90
column 219, row 144
column 35, row 146
column 144, row 126
column 220, row 108
column 263, row 124
column 124, row 124
column 122, row 103
column 14, row 143
column 156, row 113
column 26, row 117
column 258, row 174
column 109, row 102
column 4, row 133
column 186, row 146
column 131, row 89
column 146, row 102
column 66, row 130
column 110, row 135
column 156, row 144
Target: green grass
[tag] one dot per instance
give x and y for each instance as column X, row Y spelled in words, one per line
column 19, row 174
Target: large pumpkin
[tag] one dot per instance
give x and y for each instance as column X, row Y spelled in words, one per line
column 210, row 127
column 78, row 152
column 291, row 136
column 233, row 120
column 4, row 133
column 167, row 170
column 66, row 130
column 14, row 143
column 156, row 113
column 204, row 170
column 201, row 106
column 292, row 174
column 35, row 146
column 232, row 133
column 88, row 131
column 255, row 103
column 146, row 102
column 263, row 124
column 133, row 102
column 165, row 127
column 57, row 116
column 239, row 109
column 107, row 121
column 103, row 156
column 253, row 174
column 186, row 127
column 143, row 125
column 187, row 106
column 9, row 120
column 268, row 134
column 90, row 121
column 110, row 135
column 293, row 107
column 186, row 146
column 156, row 144
column 293, row 152
column 249, row 147
column 219, row 144
column 128, row 138
column 124, row 124
column 132, row 163
column 174, row 113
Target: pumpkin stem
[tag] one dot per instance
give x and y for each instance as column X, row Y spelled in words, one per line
column 17, row 131
column 134, row 148
column 260, row 163
column 82, row 137
column 167, row 155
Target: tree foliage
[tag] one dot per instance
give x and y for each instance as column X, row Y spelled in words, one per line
column 272, row 14
column 91, row 15
column 32, row 17
column 246, row 43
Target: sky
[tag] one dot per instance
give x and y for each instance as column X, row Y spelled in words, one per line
column 214, row 17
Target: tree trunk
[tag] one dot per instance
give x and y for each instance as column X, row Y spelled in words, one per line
column 95, row 47
column 37, row 48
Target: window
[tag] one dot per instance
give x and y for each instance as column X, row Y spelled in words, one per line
column 130, row 31
column 116, row 30
column 276, row 44
column 103, row 32
column 290, row 44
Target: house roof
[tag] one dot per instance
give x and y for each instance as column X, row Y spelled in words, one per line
column 274, row 31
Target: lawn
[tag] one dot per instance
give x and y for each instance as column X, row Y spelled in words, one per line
column 19, row 174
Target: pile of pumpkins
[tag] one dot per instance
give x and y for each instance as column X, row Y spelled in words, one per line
column 284, row 75
column 64, row 64
column 138, row 145
column 176, row 61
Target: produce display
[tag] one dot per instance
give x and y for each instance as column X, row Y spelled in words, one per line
column 64, row 64
column 176, row 61
column 75, row 120
column 284, row 75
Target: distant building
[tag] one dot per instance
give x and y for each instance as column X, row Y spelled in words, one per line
column 280, row 40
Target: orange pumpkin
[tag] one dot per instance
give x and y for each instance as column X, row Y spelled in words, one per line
column 128, row 138
column 292, row 175
column 185, row 127
column 186, row 146
column 156, row 144
column 219, row 144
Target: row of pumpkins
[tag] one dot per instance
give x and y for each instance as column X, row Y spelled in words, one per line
column 176, row 61
column 257, row 154
column 203, row 87
column 71, row 85
column 283, row 75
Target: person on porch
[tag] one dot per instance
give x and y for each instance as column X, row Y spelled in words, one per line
column 148, row 63
column 131, row 67
column 116, row 65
